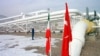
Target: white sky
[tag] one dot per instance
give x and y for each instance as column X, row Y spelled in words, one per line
column 15, row 7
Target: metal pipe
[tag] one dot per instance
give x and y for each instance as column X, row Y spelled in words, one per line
column 78, row 34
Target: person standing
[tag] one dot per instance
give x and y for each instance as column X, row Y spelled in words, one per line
column 32, row 33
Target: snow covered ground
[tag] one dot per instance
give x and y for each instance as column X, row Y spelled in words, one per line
column 12, row 45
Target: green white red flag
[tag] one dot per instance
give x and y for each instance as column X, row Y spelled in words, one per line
column 48, row 37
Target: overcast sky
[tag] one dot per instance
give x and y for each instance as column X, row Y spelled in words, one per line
column 15, row 7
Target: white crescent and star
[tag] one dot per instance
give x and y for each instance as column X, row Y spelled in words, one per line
column 65, row 22
column 67, row 36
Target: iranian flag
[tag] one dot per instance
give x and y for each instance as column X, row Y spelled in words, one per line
column 48, row 36
column 67, row 36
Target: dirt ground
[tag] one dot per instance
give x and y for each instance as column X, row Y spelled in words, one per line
column 91, row 47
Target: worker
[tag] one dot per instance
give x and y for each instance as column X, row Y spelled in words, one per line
column 32, row 33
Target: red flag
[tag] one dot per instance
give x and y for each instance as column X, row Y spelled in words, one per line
column 48, row 37
column 67, row 37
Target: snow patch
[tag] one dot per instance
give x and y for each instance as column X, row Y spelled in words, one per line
column 12, row 45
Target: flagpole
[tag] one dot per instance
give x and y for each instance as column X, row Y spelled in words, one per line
column 50, row 48
column 50, row 28
column 50, row 42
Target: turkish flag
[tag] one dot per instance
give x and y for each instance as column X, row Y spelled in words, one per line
column 67, row 36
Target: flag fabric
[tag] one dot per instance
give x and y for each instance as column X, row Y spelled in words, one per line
column 48, row 36
column 67, row 37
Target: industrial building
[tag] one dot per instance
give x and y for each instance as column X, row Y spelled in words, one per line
column 38, row 21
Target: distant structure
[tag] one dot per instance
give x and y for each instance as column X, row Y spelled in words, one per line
column 38, row 21
column 2, row 16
